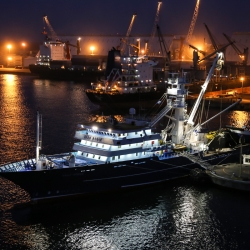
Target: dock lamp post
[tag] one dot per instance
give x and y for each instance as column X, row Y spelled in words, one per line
column 242, row 80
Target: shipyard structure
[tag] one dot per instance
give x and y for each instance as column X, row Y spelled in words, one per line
column 90, row 52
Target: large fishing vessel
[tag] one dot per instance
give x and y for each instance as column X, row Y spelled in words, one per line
column 127, row 78
column 113, row 154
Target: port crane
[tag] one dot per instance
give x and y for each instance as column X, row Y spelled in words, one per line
column 243, row 55
column 190, row 31
column 164, row 51
column 154, row 26
column 124, row 40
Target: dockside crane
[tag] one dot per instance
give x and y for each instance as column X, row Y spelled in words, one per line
column 124, row 40
column 192, row 25
column 190, row 31
column 211, row 38
column 156, row 21
column 164, row 51
column 243, row 55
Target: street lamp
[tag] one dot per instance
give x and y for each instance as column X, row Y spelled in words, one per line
column 242, row 80
column 9, row 46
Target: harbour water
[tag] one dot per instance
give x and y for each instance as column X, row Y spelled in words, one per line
column 179, row 215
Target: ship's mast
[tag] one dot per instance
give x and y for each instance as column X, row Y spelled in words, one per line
column 38, row 134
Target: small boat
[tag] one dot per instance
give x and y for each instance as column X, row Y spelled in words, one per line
column 127, row 78
column 118, row 154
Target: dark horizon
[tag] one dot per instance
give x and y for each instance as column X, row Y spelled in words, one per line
column 23, row 21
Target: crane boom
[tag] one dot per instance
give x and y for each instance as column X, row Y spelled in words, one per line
column 191, row 28
column 211, row 37
column 156, row 19
column 183, row 47
column 52, row 32
column 243, row 55
column 128, row 33
column 218, row 63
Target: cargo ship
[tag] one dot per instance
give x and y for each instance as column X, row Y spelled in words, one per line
column 127, row 78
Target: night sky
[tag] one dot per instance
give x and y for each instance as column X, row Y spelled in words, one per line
column 22, row 20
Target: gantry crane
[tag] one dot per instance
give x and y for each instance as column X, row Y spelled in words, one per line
column 124, row 40
column 243, row 55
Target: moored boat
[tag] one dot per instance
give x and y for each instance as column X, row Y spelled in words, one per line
column 113, row 154
column 127, row 78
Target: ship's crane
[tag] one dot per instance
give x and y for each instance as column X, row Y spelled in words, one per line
column 124, row 40
column 217, row 64
column 54, row 36
column 243, row 55
column 155, row 25
column 67, row 49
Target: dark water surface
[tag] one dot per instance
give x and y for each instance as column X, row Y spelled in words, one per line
column 179, row 215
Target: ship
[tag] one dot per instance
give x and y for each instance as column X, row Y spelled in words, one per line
column 55, row 62
column 115, row 154
column 127, row 78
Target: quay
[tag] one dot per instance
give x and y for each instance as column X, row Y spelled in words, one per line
column 15, row 71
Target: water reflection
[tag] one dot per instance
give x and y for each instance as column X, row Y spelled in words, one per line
column 239, row 119
column 15, row 119
column 156, row 218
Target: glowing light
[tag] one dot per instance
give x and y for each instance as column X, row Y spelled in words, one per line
column 94, row 127
column 92, row 48
column 23, row 44
column 9, row 47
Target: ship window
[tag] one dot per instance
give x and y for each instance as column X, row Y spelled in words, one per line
column 96, row 144
column 93, row 156
column 113, row 158
column 102, row 145
column 87, row 155
column 119, row 146
column 99, row 157
column 91, row 144
column 118, row 156
column 136, row 154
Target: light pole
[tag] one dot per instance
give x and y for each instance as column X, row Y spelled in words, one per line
column 242, row 80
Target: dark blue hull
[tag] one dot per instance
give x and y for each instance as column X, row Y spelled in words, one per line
column 92, row 179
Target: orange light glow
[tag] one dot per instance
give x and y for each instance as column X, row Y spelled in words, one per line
column 92, row 48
